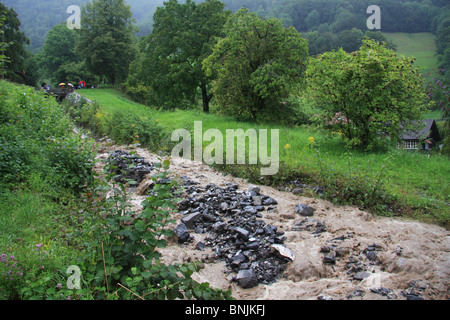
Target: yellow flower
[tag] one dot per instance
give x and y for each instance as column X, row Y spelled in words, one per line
column 311, row 140
column 133, row 125
column 287, row 146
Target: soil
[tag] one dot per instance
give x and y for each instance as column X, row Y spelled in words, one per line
column 412, row 259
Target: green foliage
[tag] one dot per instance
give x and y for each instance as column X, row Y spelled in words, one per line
column 3, row 45
column 350, row 40
column 132, row 129
column 58, row 53
column 13, row 45
column 37, row 137
column 122, row 254
column 44, row 227
column 257, row 66
column 369, row 95
column 356, row 186
column 121, row 126
column 106, row 38
column 171, row 57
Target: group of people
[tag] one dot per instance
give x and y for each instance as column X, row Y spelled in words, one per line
column 70, row 87
column 82, row 84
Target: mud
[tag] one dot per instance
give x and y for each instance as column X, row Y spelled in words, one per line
column 408, row 259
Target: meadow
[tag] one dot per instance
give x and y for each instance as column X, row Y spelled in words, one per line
column 418, row 182
column 418, row 45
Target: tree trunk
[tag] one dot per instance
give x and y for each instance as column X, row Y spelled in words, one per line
column 205, row 97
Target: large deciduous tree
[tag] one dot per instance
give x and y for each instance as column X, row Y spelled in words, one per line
column 183, row 36
column 106, row 38
column 58, row 50
column 257, row 67
column 13, row 47
column 369, row 95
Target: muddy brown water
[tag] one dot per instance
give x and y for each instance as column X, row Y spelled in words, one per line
column 409, row 251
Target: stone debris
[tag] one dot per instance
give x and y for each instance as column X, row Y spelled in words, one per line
column 129, row 166
column 231, row 220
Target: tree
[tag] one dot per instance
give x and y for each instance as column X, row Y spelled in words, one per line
column 320, row 42
column 14, row 46
column 257, row 66
column 106, row 38
column 3, row 45
column 183, row 36
column 312, row 20
column 379, row 36
column 346, row 20
column 350, row 40
column 369, row 96
column 443, row 36
column 58, row 50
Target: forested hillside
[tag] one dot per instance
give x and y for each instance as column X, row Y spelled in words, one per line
column 325, row 16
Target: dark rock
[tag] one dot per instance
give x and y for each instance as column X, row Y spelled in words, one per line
column 247, row 278
column 259, row 208
column 128, row 166
column 413, row 296
column 381, row 291
column 361, row 275
column 297, row 191
column 250, row 209
column 323, row 297
column 254, row 190
column 253, row 245
column 243, row 233
column 234, row 232
column 304, row 210
column 219, row 226
column 182, row 233
column 190, row 219
column 371, row 255
column 329, row 258
column 267, row 201
column 200, row 245
column 238, row 259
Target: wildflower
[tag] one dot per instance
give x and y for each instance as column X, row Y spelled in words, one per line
column 287, row 146
column 311, row 140
column 59, row 286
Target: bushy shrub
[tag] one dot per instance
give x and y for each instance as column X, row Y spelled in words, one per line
column 37, row 135
column 121, row 259
column 122, row 127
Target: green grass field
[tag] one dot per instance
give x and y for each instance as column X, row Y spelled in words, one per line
column 418, row 45
column 419, row 180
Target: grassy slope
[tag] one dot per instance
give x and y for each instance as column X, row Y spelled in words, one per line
column 418, row 45
column 417, row 179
